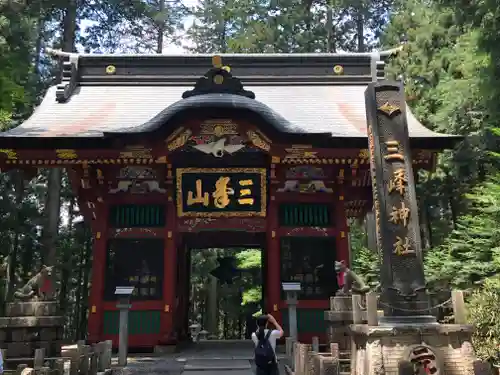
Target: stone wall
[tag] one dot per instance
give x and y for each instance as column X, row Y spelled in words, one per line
column 380, row 349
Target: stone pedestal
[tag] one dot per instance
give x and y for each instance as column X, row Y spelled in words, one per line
column 381, row 349
column 338, row 319
column 29, row 326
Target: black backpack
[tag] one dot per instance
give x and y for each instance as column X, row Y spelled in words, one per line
column 264, row 352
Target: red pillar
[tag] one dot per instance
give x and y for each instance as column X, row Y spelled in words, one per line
column 170, row 272
column 341, row 225
column 99, row 248
column 273, row 284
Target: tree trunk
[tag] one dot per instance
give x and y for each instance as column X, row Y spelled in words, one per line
column 330, row 47
column 360, row 34
column 65, row 285
column 161, row 28
column 12, row 259
column 85, row 287
column 53, row 201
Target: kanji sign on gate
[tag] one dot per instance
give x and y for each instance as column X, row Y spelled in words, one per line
column 221, row 192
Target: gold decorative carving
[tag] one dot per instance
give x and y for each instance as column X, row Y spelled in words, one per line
column 296, row 186
column 389, row 109
column 161, row 160
column 175, row 133
column 11, row 154
column 67, row 154
column 136, row 152
column 257, row 141
column 180, row 140
column 364, row 153
column 110, row 69
column 202, row 198
column 300, row 152
column 218, row 79
column 338, row 69
column 219, row 128
column 217, row 61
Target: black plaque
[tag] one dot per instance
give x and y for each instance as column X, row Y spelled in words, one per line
column 221, row 192
column 394, row 201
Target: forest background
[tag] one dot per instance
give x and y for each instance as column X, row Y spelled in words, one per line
column 449, row 65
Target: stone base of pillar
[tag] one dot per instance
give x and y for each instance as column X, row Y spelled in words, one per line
column 383, row 349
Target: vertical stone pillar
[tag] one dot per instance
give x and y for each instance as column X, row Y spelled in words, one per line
column 99, row 249
column 395, row 204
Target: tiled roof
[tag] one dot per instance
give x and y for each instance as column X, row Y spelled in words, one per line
column 294, row 93
column 94, row 110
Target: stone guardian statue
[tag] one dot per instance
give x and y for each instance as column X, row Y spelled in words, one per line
column 352, row 282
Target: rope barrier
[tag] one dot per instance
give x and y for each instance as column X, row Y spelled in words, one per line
column 442, row 304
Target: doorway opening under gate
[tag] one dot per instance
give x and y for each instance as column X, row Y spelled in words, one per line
column 222, row 275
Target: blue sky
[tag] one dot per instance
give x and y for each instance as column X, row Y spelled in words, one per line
column 168, row 48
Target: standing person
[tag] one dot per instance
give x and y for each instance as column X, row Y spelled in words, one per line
column 265, row 345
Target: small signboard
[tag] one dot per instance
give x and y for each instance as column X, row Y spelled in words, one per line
column 221, row 192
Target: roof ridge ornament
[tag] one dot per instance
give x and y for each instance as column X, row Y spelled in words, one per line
column 69, row 74
column 378, row 60
column 218, row 80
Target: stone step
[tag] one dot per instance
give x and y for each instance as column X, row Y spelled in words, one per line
column 215, row 372
column 217, row 364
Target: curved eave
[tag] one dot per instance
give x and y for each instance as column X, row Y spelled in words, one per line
column 98, row 116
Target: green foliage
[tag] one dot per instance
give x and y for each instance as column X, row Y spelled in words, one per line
column 250, row 260
column 471, row 253
column 365, row 262
column 483, row 314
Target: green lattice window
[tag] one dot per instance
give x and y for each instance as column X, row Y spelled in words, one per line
column 305, row 215
column 135, row 215
column 308, row 320
column 144, row 322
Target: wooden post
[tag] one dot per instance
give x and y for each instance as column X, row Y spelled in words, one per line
column 357, row 317
column 39, row 358
column 372, row 308
column 315, row 344
column 334, row 350
column 273, row 277
column 342, row 238
column 20, row 368
column 74, row 361
column 482, row 368
column 99, row 249
column 170, row 286
column 101, row 364
column 289, row 347
column 107, row 353
column 459, row 309
column 94, row 360
column 85, row 361
column 59, row 366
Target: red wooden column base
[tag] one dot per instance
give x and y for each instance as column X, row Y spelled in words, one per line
column 273, row 261
column 96, row 311
column 170, row 276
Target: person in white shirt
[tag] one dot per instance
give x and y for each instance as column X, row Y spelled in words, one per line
column 263, row 333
